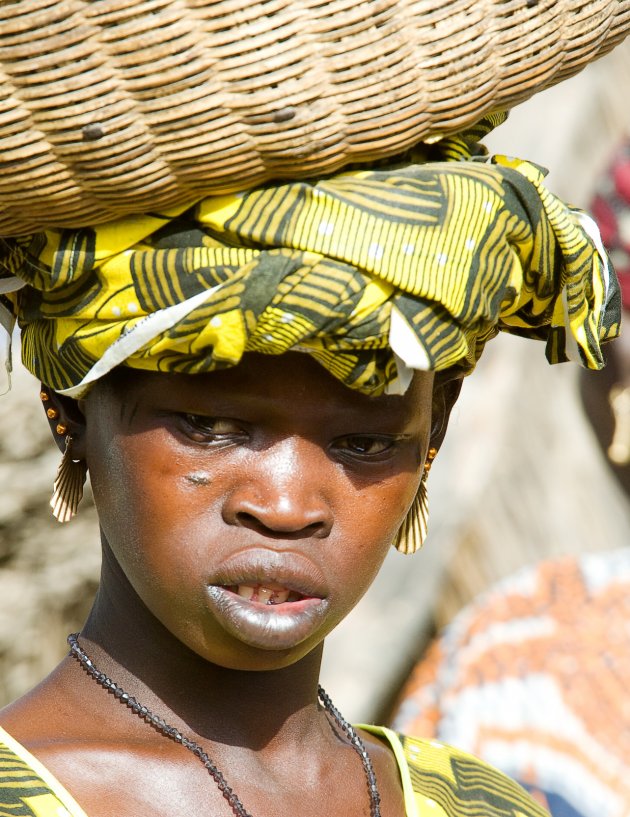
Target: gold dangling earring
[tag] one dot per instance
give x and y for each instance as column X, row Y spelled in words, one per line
column 68, row 485
column 413, row 531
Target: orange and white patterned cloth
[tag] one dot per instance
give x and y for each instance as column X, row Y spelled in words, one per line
column 533, row 678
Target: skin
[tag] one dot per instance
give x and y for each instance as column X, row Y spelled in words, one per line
column 273, row 473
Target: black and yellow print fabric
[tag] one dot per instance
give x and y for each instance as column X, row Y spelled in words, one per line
column 27, row 789
column 438, row 781
column 372, row 271
column 450, row 783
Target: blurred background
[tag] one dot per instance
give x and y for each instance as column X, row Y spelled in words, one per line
column 520, row 477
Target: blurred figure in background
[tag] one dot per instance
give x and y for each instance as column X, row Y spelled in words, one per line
column 606, row 398
column 533, row 675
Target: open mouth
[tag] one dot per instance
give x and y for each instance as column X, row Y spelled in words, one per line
column 265, row 593
column 269, row 600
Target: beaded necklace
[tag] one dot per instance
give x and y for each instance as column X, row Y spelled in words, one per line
column 172, row 733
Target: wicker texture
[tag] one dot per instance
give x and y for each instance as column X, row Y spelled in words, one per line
column 109, row 107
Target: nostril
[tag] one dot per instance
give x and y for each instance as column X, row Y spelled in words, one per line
column 281, row 529
column 247, row 520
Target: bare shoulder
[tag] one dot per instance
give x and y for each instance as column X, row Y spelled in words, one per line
column 43, row 714
column 67, row 739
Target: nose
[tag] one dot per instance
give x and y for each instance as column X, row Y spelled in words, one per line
column 283, row 492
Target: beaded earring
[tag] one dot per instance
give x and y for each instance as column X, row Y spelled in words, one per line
column 413, row 531
column 71, row 474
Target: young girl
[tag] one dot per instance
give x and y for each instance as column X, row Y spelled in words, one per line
column 258, row 386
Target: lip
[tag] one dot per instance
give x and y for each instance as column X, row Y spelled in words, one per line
column 269, row 627
column 286, row 568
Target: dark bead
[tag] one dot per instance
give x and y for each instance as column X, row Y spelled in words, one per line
column 171, row 732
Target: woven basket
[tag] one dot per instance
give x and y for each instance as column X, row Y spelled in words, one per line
column 109, row 107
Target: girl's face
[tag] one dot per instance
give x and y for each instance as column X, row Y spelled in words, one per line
column 250, row 509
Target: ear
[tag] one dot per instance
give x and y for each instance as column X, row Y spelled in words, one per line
column 64, row 417
column 446, row 388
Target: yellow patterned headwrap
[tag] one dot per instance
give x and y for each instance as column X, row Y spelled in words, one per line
column 375, row 272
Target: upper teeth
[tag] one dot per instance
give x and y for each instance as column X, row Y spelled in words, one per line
column 265, row 594
column 262, row 594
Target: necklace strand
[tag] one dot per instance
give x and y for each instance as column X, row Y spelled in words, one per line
column 171, row 732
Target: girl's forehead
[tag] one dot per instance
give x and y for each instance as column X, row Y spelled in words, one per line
column 280, row 383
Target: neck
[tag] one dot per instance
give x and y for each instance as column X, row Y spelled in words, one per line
column 246, row 708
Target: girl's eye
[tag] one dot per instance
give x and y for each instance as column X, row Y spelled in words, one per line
column 204, row 429
column 366, row 446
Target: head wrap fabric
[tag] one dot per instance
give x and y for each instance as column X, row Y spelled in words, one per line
column 374, row 272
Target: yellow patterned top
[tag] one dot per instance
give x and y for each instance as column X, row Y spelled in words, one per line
column 438, row 781
column 375, row 272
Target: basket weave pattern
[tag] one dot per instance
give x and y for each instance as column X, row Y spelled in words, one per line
column 109, row 107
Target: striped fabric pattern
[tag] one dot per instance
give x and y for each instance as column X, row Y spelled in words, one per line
column 26, row 789
column 449, row 783
column 417, row 264
column 18, row 781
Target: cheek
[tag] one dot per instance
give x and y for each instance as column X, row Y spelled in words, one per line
column 372, row 523
column 144, row 507
column 382, row 506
